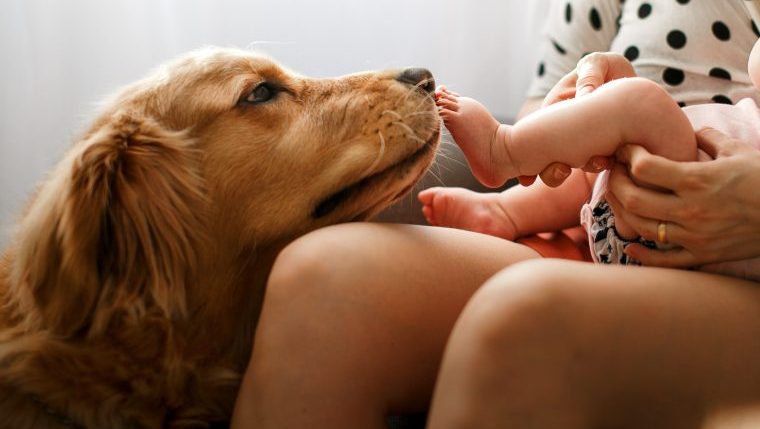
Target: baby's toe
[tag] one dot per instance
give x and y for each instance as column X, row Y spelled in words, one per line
column 427, row 211
column 448, row 104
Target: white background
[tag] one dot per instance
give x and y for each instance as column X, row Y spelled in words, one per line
column 59, row 58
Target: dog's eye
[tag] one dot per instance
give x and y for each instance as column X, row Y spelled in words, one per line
column 261, row 94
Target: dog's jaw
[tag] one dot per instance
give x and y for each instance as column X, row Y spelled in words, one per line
column 398, row 178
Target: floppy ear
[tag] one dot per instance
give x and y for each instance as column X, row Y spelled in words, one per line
column 113, row 232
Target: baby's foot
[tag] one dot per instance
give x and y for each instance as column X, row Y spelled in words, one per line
column 480, row 136
column 464, row 209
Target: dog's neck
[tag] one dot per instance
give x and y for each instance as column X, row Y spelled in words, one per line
column 224, row 302
column 230, row 313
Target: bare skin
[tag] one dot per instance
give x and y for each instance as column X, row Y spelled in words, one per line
column 572, row 132
column 550, row 343
column 340, row 352
column 335, row 352
column 356, row 318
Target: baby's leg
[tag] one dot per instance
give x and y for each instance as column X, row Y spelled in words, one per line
column 478, row 134
column 472, row 211
column 517, row 212
column 633, row 110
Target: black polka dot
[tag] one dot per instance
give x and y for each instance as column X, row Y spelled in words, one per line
column 682, row 1
column 559, row 48
column 722, row 99
column 673, row 76
column 568, row 13
column 644, row 10
column 676, row 39
column 755, row 30
column 541, row 69
column 681, row 104
column 721, row 31
column 720, row 73
column 595, row 19
column 632, row 53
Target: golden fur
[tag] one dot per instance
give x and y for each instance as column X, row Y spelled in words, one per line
column 130, row 292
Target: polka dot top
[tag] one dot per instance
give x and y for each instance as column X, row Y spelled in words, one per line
column 697, row 49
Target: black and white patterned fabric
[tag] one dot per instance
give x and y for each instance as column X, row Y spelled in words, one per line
column 696, row 49
column 608, row 246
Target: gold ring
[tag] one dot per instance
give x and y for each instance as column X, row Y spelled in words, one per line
column 662, row 232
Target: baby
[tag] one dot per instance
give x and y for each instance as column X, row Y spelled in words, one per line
column 625, row 110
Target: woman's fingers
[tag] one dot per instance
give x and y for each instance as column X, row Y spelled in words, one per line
column 597, row 164
column 555, row 174
column 651, row 169
column 648, row 228
column 716, row 144
column 563, row 90
column 597, row 68
column 644, row 202
column 673, row 258
column 592, row 70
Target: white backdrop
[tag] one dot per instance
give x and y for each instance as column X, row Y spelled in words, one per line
column 60, row 57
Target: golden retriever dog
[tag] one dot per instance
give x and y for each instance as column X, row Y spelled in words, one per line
column 130, row 291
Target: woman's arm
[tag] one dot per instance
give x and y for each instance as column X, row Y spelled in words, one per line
column 711, row 209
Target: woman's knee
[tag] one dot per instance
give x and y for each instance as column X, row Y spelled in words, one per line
column 528, row 304
column 310, row 265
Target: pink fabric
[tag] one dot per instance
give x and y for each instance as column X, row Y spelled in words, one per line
column 740, row 121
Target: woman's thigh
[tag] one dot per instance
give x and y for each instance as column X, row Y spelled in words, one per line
column 363, row 311
column 647, row 342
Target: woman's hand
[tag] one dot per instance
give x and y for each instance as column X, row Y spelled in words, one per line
column 592, row 71
column 711, row 209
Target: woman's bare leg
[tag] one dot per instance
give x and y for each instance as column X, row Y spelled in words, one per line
column 355, row 321
column 549, row 343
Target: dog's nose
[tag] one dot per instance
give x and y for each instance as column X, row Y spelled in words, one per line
column 419, row 77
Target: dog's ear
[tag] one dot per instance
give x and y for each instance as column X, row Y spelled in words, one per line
column 114, row 231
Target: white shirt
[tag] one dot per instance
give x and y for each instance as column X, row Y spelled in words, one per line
column 697, row 49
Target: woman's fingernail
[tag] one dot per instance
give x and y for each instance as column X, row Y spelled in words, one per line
column 598, row 164
column 585, row 89
column 560, row 173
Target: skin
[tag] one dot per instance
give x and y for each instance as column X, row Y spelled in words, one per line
column 661, row 349
column 699, row 327
column 572, row 131
column 595, row 345
column 372, row 346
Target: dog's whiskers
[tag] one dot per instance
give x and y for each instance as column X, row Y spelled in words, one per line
column 421, row 113
column 394, row 114
column 379, row 157
column 406, row 128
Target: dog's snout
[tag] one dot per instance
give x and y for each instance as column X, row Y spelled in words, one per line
column 419, row 77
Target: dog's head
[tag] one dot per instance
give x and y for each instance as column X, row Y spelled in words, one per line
column 221, row 146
